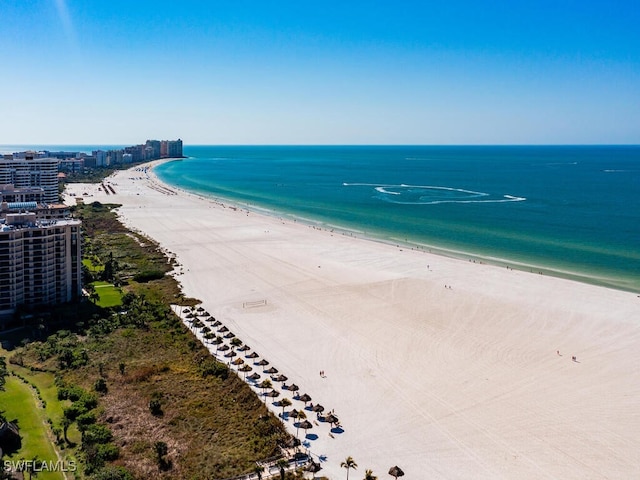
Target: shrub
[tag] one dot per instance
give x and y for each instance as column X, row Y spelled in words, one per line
column 112, row 473
column 215, row 368
column 85, row 420
column 148, row 275
column 155, row 407
column 100, row 385
column 97, row 434
column 107, row 452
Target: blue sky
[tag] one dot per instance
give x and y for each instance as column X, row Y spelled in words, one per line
column 285, row 72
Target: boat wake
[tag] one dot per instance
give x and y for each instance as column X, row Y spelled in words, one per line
column 404, row 194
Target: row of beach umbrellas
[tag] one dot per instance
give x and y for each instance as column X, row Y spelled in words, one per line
column 245, row 367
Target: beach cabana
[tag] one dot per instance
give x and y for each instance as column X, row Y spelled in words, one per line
column 396, row 472
column 307, row 425
column 294, row 413
column 331, row 418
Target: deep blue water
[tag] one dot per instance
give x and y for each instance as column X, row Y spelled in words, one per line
column 574, row 211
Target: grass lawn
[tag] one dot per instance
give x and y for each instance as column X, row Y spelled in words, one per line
column 91, row 266
column 19, row 403
column 110, row 296
column 45, row 382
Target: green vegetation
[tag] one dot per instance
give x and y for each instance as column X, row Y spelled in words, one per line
column 122, row 380
column 108, row 294
column 21, row 406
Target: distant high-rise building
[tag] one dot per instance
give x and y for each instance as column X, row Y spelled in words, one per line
column 101, row 158
column 154, row 145
column 32, row 172
column 174, row 148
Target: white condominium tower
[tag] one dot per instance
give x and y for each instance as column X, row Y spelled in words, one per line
column 31, row 173
column 40, row 261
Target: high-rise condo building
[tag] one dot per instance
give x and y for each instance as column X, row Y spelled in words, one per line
column 40, row 260
column 31, row 173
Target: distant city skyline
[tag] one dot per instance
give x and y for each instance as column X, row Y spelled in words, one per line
column 248, row 72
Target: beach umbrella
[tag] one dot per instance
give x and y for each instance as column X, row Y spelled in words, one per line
column 396, row 472
column 279, row 378
column 294, row 413
column 200, row 309
column 272, row 393
column 263, row 362
column 217, row 323
column 224, row 347
column 306, row 425
column 313, row 467
column 253, row 376
column 253, row 355
column 271, row 370
column 245, row 367
column 238, row 361
column 244, row 348
column 266, row 383
column 304, row 398
column 293, row 387
column 230, row 354
column 223, row 329
column 331, row 418
column 217, row 341
column 230, row 335
column 186, row 310
column 318, row 408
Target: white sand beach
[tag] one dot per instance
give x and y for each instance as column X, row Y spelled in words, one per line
column 463, row 382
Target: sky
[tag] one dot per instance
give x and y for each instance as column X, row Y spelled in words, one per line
column 331, row 72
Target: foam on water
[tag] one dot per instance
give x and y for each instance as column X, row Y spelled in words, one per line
column 428, row 194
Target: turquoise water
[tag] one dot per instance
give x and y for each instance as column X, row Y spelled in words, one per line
column 572, row 211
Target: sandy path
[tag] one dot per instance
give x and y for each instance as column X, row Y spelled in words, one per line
column 456, row 383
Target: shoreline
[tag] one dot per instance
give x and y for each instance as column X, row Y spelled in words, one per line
column 444, row 367
column 582, row 276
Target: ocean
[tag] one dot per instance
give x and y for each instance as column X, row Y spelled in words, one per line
column 570, row 211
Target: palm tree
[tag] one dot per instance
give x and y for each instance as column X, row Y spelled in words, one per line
column 301, row 417
column 285, row 402
column 235, row 342
column 282, row 464
column 258, row 469
column 266, row 383
column 368, row 475
column 349, row 463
